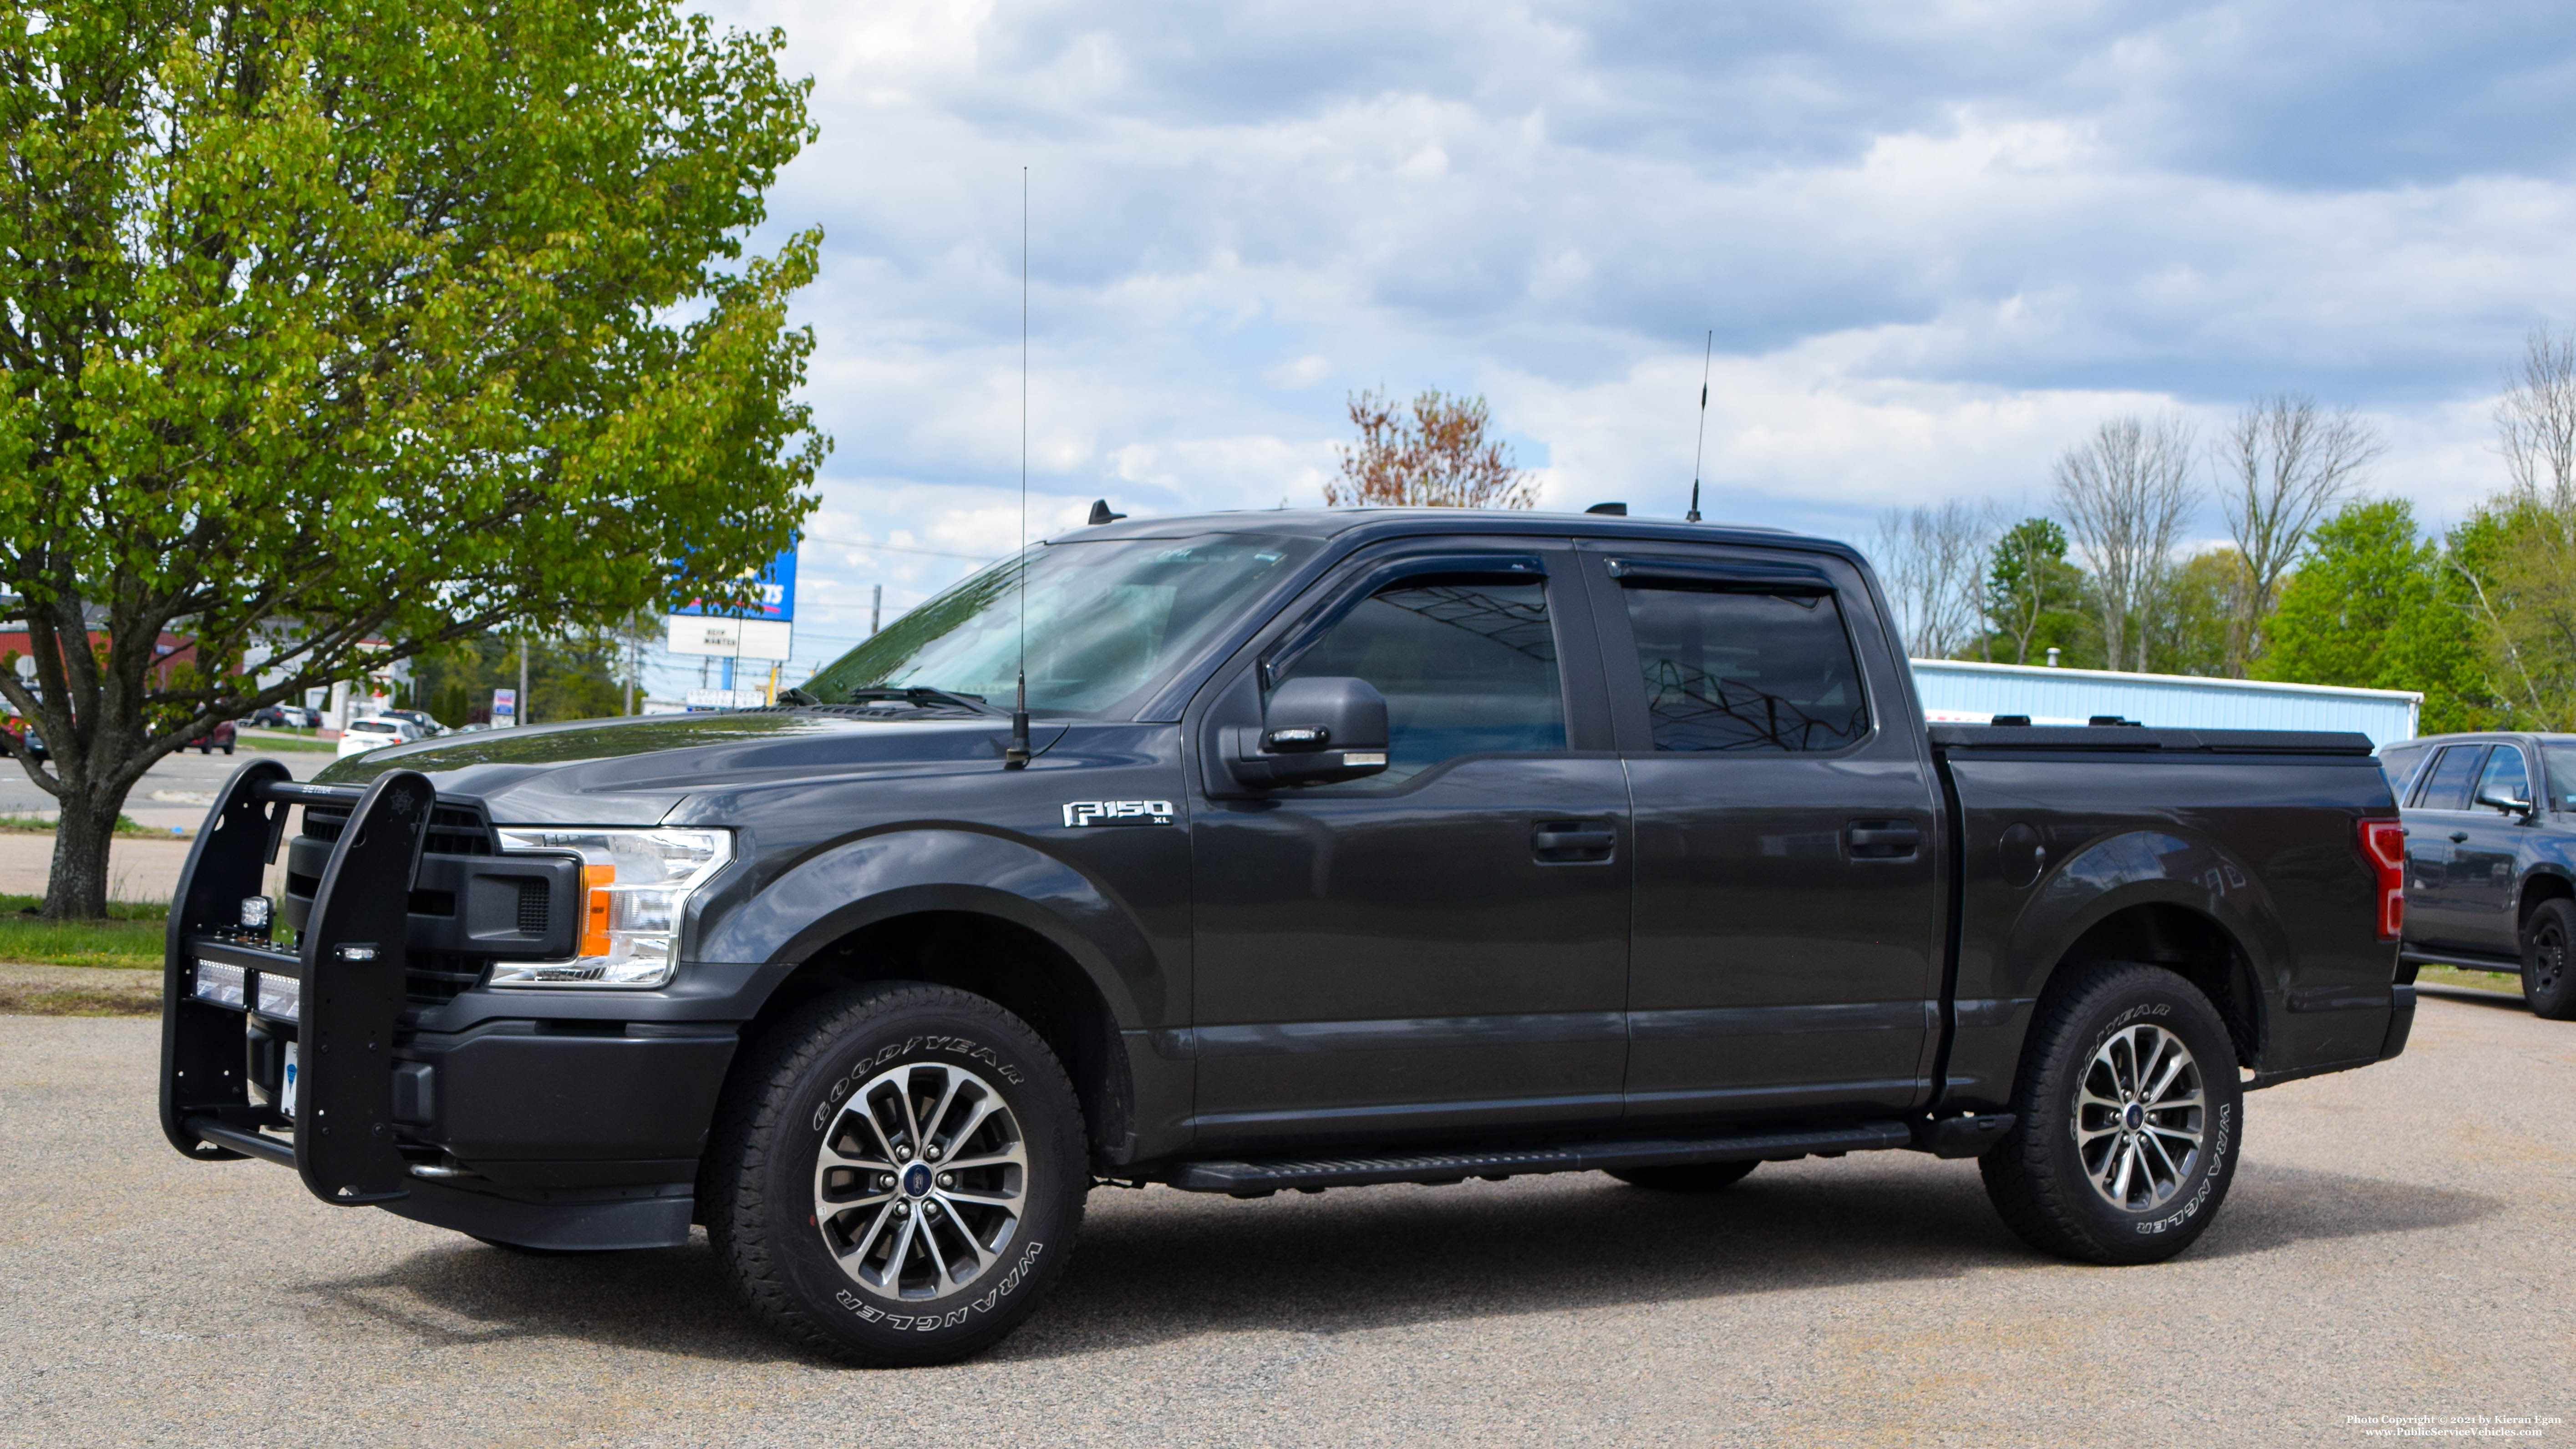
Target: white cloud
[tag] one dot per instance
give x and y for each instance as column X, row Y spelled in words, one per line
column 1937, row 243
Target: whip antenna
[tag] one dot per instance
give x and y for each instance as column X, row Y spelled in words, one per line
column 1016, row 755
column 1707, row 352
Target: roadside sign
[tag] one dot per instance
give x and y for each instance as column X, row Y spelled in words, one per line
column 505, row 708
column 728, row 638
column 727, row 698
column 777, row 596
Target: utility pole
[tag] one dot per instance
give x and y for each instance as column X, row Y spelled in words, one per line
column 876, row 609
column 634, row 663
column 527, row 715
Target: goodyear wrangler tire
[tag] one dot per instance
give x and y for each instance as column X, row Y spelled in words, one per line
column 898, row 1175
column 2129, row 1119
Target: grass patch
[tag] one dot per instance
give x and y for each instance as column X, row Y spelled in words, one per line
column 39, row 825
column 2506, row 983
column 72, row 991
column 286, row 743
column 131, row 938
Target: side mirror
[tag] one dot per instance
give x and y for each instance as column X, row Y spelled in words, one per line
column 1315, row 732
column 2507, row 804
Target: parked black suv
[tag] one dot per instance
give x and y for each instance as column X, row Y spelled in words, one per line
column 2491, row 857
column 1334, row 849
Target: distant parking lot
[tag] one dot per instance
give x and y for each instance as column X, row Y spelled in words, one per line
column 2397, row 1244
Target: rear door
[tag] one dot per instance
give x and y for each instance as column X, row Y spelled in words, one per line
column 1786, row 952
column 1444, row 947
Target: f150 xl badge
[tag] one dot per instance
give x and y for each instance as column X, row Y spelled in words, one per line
column 1118, row 812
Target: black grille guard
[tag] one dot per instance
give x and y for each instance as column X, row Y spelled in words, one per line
column 348, row 966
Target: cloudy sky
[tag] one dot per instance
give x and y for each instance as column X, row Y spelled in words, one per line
column 1937, row 240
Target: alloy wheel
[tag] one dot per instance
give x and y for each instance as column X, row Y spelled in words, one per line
column 921, row 1182
column 2139, row 1117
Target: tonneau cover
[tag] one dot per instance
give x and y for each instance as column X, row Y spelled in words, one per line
column 2132, row 738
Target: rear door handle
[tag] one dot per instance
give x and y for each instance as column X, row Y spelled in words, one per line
column 1572, row 842
column 1883, row 840
column 2459, row 837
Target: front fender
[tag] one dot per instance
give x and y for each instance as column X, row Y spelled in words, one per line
column 904, row 871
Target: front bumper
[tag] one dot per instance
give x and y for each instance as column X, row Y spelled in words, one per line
column 519, row 1116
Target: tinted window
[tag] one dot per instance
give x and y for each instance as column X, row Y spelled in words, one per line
column 2446, row 785
column 1730, row 670
column 2503, row 779
column 2398, row 763
column 1466, row 667
column 2560, row 761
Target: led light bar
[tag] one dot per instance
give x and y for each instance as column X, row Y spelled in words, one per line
column 279, row 996
column 219, row 983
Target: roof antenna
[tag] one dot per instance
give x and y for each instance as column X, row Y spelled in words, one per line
column 1016, row 755
column 1707, row 352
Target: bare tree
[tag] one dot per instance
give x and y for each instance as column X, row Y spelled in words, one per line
column 2536, row 424
column 1432, row 454
column 2125, row 492
column 1931, row 560
column 2285, row 466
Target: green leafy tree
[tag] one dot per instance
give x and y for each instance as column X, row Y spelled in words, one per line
column 335, row 330
column 2035, row 599
column 2377, row 605
column 2198, row 610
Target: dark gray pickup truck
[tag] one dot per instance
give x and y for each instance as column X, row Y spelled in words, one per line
column 1331, row 849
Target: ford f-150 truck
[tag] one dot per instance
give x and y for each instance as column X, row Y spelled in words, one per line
column 1328, row 849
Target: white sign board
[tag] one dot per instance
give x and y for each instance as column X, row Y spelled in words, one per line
column 505, row 708
column 727, row 698
column 729, row 638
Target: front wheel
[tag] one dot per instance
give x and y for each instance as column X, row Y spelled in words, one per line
column 2128, row 1115
column 2547, row 984
column 897, row 1175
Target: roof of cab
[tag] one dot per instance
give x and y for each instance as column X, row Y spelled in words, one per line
column 1342, row 523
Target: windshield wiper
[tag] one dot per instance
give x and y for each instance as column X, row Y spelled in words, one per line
column 921, row 696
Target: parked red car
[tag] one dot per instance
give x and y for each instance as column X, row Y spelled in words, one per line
column 220, row 737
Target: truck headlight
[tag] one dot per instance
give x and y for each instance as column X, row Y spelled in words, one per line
column 634, row 884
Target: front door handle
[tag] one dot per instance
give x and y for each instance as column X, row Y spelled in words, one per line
column 1883, row 840
column 1572, row 842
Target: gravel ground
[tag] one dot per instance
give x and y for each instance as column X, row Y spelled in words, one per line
column 2396, row 1244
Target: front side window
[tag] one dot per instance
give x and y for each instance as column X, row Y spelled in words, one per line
column 1468, row 667
column 2504, row 778
column 2446, row 785
column 1747, row 672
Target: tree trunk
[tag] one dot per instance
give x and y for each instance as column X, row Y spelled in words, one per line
column 77, row 889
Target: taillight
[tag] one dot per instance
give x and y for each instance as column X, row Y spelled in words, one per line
column 2383, row 844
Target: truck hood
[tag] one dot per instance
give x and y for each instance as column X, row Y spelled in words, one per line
column 633, row 771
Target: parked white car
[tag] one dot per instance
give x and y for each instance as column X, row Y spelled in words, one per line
column 363, row 735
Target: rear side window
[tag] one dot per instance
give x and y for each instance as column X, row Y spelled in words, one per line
column 2398, row 763
column 2504, row 778
column 1747, row 672
column 1467, row 667
column 2560, row 761
column 2446, row 785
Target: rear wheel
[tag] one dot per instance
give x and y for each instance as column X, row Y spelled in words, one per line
column 2128, row 1113
column 2547, row 939
column 898, row 1175
column 1686, row 1177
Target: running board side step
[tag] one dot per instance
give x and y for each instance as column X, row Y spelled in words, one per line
column 1260, row 1179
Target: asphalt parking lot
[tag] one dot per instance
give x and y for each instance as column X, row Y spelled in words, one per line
column 2397, row 1244
column 175, row 790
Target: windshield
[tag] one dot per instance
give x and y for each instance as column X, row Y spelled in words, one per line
column 1105, row 619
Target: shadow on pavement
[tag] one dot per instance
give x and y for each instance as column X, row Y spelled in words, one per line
column 1161, row 1266
column 2475, row 997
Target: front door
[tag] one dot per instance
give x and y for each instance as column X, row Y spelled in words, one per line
column 2485, row 865
column 1787, row 946
column 1443, row 947
column 2437, row 825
